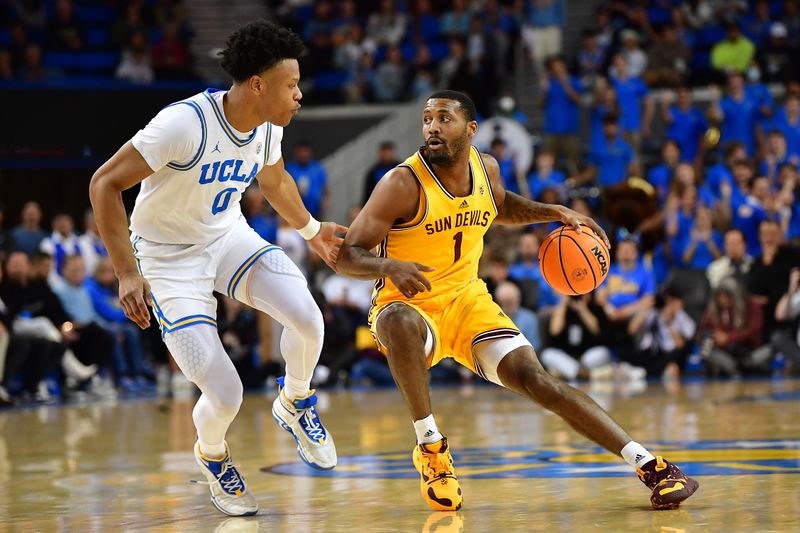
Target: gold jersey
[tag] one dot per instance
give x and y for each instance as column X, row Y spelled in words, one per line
column 446, row 233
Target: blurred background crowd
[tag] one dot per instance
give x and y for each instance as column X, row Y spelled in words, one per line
column 675, row 124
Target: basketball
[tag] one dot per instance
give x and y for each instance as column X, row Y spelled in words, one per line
column 574, row 263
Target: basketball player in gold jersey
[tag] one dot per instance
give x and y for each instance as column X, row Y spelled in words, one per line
column 427, row 218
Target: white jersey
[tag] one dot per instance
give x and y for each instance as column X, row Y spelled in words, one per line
column 201, row 166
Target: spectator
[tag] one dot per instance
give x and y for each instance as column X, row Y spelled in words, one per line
column 635, row 58
column 91, row 246
column 64, row 32
column 737, row 114
column 424, row 25
column 787, row 120
column 537, row 294
column 749, row 211
column 387, row 26
column 735, row 263
column 542, row 30
column 662, row 336
column 777, row 155
column 545, row 176
column 132, row 22
column 35, row 357
column 561, row 100
column 661, row 176
column 629, row 289
column 505, row 161
column 789, row 181
column 777, row 56
column 731, row 330
column 452, row 67
column 702, row 244
column 667, row 60
column 509, row 298
column 135, row 64
column 422, row 77
column 129, row 360
column 590, row 59
column 94, row 345
column 757, row 25
column 32, row 69
column 605, row 103
column 455, row 22
column 686, row 124
column 576, row 345
column 734, row 53
column 387, row 160
column 632, row 95
column 389, row 83
column 721, row 175
column 787, row 312
column 61, row 243
column 768, row 280
column 611, row 159
column 258, row 215
column 311, row 179
column 170, row 57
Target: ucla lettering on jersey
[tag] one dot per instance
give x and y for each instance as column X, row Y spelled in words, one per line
column 195, row 197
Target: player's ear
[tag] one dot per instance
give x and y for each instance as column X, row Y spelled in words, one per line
column 472, row 128
column 256, row 84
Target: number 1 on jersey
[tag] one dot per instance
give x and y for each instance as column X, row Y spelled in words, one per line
column 457, row 252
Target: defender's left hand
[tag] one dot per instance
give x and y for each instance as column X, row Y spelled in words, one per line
column 326, row 243
column 575, row 219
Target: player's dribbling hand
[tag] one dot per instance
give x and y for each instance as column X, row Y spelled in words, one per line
column 134, row 295
column 576, row 220
column 326, row 243
column 408, row 278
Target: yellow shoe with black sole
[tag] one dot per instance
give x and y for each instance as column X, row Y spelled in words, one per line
column 438, row 481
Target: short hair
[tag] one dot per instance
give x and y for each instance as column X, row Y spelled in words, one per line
column 736, row 230
column 387, row 145
column 466, row 103
column 496, row 141
column 732, row 147
column 257, row 47
column 610, row 118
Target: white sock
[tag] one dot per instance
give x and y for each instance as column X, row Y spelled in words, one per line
column 636, row 455
column 427, row 432
column 294, row 388
column 212, row 451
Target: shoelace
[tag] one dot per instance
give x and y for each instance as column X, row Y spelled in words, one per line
column 436, row 461
column 312, row 425
column 231, row 484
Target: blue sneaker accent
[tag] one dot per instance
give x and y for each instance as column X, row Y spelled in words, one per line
column 229, row 493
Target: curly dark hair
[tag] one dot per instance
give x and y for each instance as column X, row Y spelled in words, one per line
column 257, row 47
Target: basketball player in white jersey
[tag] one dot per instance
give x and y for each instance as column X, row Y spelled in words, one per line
column 188, row 238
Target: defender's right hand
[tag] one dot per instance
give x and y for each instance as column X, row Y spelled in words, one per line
column 408, row 278
column 134, row 295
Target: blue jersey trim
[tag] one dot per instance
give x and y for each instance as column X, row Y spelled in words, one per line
column 204, row 135
column 224, row 123
column 245, row 266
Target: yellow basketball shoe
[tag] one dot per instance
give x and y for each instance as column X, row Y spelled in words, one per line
column 438, row 482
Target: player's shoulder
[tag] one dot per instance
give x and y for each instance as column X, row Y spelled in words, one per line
column 490, row 164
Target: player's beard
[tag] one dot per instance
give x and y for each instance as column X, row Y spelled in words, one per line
column 451, row 153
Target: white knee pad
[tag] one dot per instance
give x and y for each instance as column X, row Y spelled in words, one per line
column 191, row 349
column 278, row 262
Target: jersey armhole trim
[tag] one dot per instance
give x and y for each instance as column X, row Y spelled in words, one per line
column 204, row 135
column 488, row 182
column 422, row 207
column 267, row 143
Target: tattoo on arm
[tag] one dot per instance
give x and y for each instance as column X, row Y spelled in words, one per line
column 519, row 210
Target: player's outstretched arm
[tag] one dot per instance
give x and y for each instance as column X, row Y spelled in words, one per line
column 125, row 169
column 395, row 198
column 515, row 209
column 280, row 190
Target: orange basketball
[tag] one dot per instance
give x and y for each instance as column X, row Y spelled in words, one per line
column 574, row 263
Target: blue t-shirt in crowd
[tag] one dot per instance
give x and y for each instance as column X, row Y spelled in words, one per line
column 660, row 177
column 520, row 271
column 790, row 130
column 759, row 93
column 739, row 123
column 311, row 179
column 702, row 253
column 747, row 217
column 106, row 302
column 507, row 173
column 793, row 232
column 561, row 114
column 628, row 286
column 687, row 129
column 596, row 135
column 554, row 180
column 265, row 226
column 630, row 94
column 611, row 160
column 715, row 176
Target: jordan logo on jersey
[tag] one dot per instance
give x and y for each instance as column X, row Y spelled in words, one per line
column 216, row 148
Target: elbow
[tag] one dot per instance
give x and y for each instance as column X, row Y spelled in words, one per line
column 96, row 186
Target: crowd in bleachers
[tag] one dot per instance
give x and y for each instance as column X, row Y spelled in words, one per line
column 138, row 41
column 701, row 198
